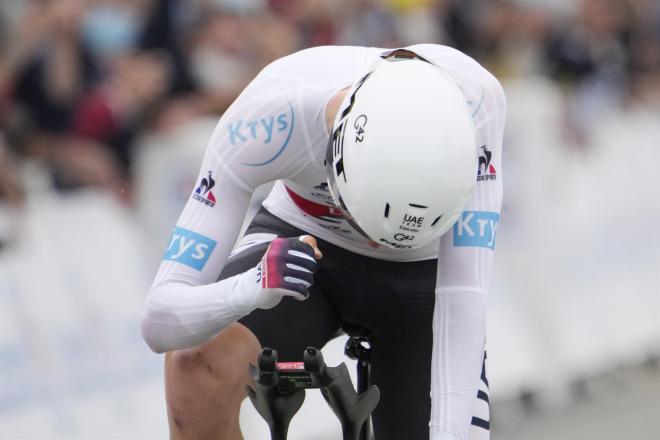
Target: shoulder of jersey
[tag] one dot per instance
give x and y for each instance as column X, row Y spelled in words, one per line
column 445, row 55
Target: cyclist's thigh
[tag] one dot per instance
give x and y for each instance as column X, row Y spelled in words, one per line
column 292, row 325
column 401, row 362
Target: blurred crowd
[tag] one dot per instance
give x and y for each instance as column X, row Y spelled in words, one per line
column 82, row 80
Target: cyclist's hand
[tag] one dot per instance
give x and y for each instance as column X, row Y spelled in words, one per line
column 286, row 269
column 312, row 242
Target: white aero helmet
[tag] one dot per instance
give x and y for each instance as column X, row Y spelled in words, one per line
column 402, row 157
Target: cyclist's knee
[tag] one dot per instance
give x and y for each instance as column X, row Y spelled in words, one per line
column 225, row 357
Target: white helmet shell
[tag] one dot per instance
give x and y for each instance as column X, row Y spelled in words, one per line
column 402, row 159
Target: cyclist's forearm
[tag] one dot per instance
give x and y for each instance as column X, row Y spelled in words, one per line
column 459, row 333
column 177, row 315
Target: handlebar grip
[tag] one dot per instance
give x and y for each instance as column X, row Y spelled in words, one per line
column 313, row 360
column 267, row 363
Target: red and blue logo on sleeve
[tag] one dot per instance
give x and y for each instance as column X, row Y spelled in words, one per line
column 203, row 191
column 189, row 248
column 486, row 169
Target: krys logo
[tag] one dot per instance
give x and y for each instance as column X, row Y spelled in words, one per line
column 189, row 248
column 203, row 192
column 273, row 130
column 476, row 229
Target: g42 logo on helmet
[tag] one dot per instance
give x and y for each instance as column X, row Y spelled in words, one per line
column 403, row 237
column 359, row 124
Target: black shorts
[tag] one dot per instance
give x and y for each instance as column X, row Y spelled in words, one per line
column 392, row 300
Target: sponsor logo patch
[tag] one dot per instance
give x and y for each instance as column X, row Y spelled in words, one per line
column 203, row 192
column 476, row 229
column 274, row 131
column 403, row 237
column 359, row 124
column 321, row 192
column 486, row 170
column 189, row 248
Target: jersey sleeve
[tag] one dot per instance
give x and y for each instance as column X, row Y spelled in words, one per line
column 252, row 144
column 464, row 262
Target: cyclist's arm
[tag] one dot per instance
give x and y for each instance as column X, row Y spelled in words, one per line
column 466, row 253
column 252, row 145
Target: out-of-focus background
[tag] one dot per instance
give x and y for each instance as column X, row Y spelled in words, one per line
column 105, row 111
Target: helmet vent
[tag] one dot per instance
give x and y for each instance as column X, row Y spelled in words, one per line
column 436, row 220
column 387, row 210
column 414, row 205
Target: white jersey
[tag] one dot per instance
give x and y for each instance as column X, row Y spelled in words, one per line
column 276, row 131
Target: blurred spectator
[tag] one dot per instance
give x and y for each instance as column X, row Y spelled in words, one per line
column 219, row 55
column 112, row 27
column 369, row 23
column 273, row 37
column 593, row 47
column 52, row 66
column 317, row 21
column 645, row 74
column 420, row 20
column 77, row 162
column 81, row 80
column 592, row 53
column 11, row 189
column 113, row 112
column 645, row 53
column 11, row 196
column 208, row 52
column 60, row 55
column 166, row 28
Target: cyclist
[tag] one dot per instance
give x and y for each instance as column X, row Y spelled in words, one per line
column 383, row 215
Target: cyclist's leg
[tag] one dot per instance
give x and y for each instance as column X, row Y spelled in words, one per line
column 205, row 385
column 401, row 367
column 396, row 302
